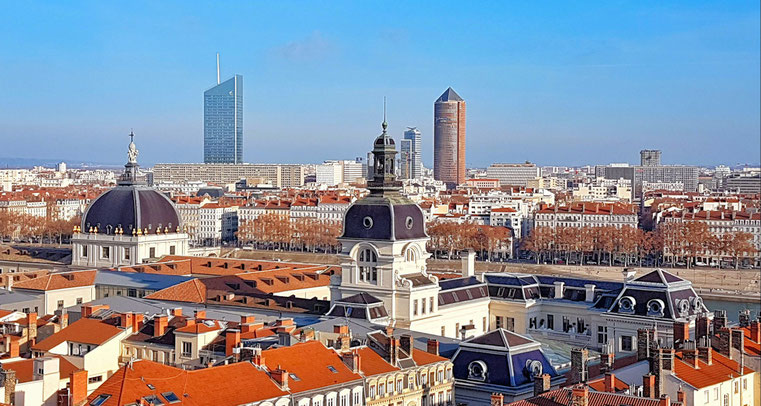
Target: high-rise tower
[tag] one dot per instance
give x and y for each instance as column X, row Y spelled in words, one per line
column 410, row 151
column 223, row 121
column 449, row 138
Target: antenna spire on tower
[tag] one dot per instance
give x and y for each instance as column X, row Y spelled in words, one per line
column 384, row 125
column 218, row 82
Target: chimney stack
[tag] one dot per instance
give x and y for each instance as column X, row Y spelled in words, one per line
column 580, row 395
column 281, row 377
column 719, row 320
column 664, row 400
column 78, row 387
column 681, row 333
column 64, row 319
column 468, row 263
column 610, row 382
column 646, row 340
column 258, row 358
column 579, row 360
column 160, row 323
column 648, row 386
column 351, row 360
column 755, row 331
column 407, row 344
column 432, row 346
column 607, row 357
column 31, row 320
column 177, row 311
column 705, row 352
column 680, row 397
column 232, row 340
column 725, row 342
column 690, row 354
column 497, row 399
column 137, row 322
column 702, row 326
column 542, row 384
column 199, row 314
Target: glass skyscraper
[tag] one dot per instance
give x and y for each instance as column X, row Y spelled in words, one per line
column 411, row 148
column 223, row 122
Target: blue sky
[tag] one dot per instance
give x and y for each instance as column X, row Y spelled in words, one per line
column 551, row 82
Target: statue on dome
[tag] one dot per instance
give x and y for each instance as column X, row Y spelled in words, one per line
column 132, row 150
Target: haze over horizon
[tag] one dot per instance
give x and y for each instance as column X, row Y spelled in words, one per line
column 552, row 83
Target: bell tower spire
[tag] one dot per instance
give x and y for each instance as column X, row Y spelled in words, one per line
column 384, row 165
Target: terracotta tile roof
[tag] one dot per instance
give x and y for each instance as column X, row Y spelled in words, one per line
column 192, row 291
column 201, row 327
column 562, row 397
column 310, row 362
column 85, row 331
column 61, row 280
column 232, row 384
column 424, row 358
column 593, row 209
column 25, row 368
column 373, row 364
column 599, row 384
column 719, row 371
column 751, row 347
column 504, row 210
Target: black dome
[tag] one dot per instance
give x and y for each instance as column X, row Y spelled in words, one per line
column 131, row 207
column 384, row 218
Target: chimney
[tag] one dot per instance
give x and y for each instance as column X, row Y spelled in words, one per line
column 31, row 320
column 725, row 342
column 744, row 318
column 125, row 320
column 646, row 339
column 690, row 354
column 738, row 341
column 607, row 357
column 8, row 377
column 9, row 283
column 137, row 322
column 407, row 344
column 680, row 397
column 88, row 310
column 497, row 399
column 468, row 263
column 64, row 320
column 664, row 400
column 78, row 387
column 610, row 382
column 232, row 340
column 352, row 360
column 755, row 331
column 13, row 348
column 389, row 331
column 393, row 350
column 281, row 377
column 341, row 329
column 705, row 353
column 580, row 395
column 432, row 346
column 247, row 319
column 589, row 290
column 199, row 314
column 559, row 288
column 177, row 311
column 160, row 323
column 681, row 333
column 542, row 384
column 258, row 359
column 648, row 386
column 719, row 320
column 702, row 326
column 343, row 341
column 579, row 360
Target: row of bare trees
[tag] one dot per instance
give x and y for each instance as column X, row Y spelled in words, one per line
column 672, row 243
column 18, row 226
column 489, row 242
column 275, row 231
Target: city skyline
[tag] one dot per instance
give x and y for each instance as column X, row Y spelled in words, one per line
column 591, row 91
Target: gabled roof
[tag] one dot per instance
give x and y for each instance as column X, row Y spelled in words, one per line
column 314, row 365
column 233, row 384
column 192, row 291
column 62, row 280
column 449, row 95
column 85, row 331
column 25, row 368
column 720, row 370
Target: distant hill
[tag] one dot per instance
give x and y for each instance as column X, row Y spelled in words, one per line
column 11, row 162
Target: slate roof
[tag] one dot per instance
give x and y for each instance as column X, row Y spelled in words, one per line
column 500, row 338
column 361, row 298
column 449, row 95
column 131, row 206
column 138, row 280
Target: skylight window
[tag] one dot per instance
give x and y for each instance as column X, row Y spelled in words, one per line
column 333, row 370
column 102, row 398
column 153, row 400
column 294, row 377
column 150, row 386
column 170, row 397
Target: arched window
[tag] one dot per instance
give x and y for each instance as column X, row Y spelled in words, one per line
column 410, row 255
column 368, row 265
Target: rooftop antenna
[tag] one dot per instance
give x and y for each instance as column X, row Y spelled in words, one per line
column 218, row 82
